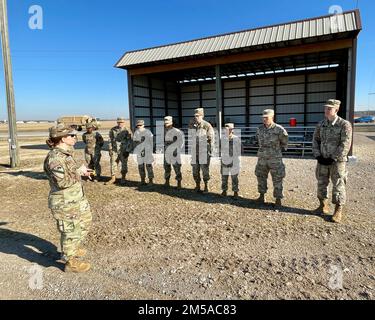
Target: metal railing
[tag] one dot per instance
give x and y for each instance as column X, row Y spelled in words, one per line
column 300, row 140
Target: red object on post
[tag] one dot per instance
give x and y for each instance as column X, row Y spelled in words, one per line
column 293, row 122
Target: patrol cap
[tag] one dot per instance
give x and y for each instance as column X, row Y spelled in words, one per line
column 333, row 103
column 61, row 130
column 199, row 112
column 229, row 125
column 268, row 113
column 120, row 120
column 140, row 123
column 168, row 120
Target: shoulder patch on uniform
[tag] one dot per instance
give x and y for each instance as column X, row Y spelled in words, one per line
column 347, row 125
column 54, row 164
column 58, row 168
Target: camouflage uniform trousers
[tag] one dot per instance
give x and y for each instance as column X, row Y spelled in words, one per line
column 225, row 173
column 168, row 170
column 142, row 171
column 338, row 174
column 115, row 158
column 73, row 223
column 197, row 167
column 277, row 169
column 93, row 162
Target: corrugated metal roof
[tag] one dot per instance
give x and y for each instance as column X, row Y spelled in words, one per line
column 311, row 28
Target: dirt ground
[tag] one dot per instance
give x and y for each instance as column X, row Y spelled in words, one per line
column 161, row 243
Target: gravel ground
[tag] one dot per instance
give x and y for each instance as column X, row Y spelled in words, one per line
column 158, row 243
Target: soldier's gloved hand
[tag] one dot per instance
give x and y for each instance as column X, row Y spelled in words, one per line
column 325, row 161
column 329, row 161
column 320, row 160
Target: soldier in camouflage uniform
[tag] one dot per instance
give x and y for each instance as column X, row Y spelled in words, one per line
column 120, row 146
column 94, row 144
column 203, row 134
column 331, row 144
column 67, row 200
column 272, row 139
column 172, row 154
column 143, row 148
column 230, row 160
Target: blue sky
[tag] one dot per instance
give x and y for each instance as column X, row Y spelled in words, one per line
column 67, row 67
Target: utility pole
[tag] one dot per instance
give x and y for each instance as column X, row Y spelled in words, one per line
column 13, row 143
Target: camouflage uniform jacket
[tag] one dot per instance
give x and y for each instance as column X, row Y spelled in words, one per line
column 333, row 139
column 231, row 148
column 204, row 133
column 94, row 142
column 145, row 151
column 173, row 136
column 120, row 140
column 272, row 141
column 64, row 178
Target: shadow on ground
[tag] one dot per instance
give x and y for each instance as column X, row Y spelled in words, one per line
column 78, row 146
column 191, row 195
column 29, row 247
column 28, row 174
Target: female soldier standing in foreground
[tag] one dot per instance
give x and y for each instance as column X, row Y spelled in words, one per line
column 66, row 199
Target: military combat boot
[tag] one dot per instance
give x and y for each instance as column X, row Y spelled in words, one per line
column 224, row 193
column 260, row 199
column 123, row 179
column 197, row 187
column 81, row 252
column 74, row 265
column 278, row 203
column 337, row 216
column 143, row 182
column 179, row 184
column 235, row 195
column 205, row 187
column 112, row 181
column 323, row 207
column 167, row 184
column 151, row 181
